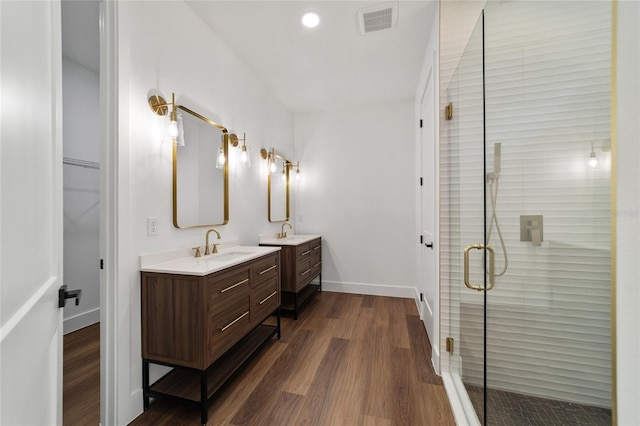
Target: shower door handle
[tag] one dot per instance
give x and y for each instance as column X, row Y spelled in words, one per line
column 491, row 266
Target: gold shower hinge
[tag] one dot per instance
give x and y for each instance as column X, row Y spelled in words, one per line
column 450, row 345
column 448, row 111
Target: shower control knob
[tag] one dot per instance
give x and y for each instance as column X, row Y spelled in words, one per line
column 430, row 245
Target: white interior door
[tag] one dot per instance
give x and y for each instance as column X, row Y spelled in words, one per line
column 30, row 213
column 428, row 281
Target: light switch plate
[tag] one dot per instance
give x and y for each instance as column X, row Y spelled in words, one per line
column 152, row 226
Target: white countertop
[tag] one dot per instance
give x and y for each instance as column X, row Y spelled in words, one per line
column 292, row 240
column 204, row 265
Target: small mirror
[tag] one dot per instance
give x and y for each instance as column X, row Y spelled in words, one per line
column 200, row 190
column 278, row 191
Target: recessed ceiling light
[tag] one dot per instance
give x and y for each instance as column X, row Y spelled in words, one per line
column 311, row 19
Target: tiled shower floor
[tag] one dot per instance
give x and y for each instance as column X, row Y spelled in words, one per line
column 514, row 409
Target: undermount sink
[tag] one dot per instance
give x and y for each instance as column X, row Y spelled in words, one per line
column 292, row 240
column 226, row 256
column 206, row 264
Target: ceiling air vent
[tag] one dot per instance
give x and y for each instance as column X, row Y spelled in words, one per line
column 378, row 17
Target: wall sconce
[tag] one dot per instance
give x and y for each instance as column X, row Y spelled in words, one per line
column 244, row 157
column 297, row 170
column 593, row 160
column 221, row 159
column 270, row 156
column 174, row 130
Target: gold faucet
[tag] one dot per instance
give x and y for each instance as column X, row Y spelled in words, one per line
column 283, row 234
column 206, row 246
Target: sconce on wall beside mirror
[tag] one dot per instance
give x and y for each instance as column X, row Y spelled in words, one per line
column 272, row 159
column 244, row 158
column 174, row 129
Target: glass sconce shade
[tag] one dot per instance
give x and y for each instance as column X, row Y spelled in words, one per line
column 244, row 157
column 221, row 159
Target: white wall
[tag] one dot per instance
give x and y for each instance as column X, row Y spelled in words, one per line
column 627, row 213
column 358, row 191
column 164, row 46
column 81, row 141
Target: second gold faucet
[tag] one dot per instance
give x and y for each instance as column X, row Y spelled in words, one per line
column 206, row 246
column 283, row 234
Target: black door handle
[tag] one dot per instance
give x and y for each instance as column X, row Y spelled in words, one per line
column 430, row 245
column 63, row 295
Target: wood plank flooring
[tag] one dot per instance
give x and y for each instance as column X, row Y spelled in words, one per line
column 81, row 377
column 348, row 360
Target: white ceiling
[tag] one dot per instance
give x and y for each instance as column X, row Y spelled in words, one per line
column 330, row 66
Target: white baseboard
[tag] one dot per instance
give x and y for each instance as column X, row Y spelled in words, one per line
column 81, row 320
column 369, row 289
column 435, row 357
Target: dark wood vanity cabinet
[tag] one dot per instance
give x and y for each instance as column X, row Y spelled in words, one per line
column 301, row 264
column 207, row 327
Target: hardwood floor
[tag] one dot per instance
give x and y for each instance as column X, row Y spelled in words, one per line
column 81, row 389
column 348, row 360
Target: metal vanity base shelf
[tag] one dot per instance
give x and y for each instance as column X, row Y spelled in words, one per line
column 196, row 387
column 292, row 302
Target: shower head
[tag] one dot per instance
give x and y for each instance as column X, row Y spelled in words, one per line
column 497, row 151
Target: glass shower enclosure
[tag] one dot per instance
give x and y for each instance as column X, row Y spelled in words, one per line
column 525, row 244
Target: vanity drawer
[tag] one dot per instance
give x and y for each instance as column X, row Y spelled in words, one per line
column 265, row 268
column 303, row 273
column 265, row 299
column 228, row 325
column 316, row 266
column 303, row 252
column 225, row 288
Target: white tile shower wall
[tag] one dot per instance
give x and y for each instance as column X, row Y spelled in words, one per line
column 358, row 192
column 81, row 186
column 547, row 100
column 166, row 47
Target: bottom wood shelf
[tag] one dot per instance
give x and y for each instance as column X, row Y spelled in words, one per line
column 185, row 385
column 292, row 302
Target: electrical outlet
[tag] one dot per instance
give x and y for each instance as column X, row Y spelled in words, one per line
column 152, row 226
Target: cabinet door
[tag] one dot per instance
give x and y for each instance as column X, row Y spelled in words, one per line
column 173, row 319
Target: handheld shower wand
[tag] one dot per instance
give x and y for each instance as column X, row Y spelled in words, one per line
column 493, row 179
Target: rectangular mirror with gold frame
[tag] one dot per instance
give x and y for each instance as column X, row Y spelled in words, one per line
column 278, row 190
column 200, row 190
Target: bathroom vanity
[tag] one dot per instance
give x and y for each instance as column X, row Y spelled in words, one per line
column 206, row 318
column 301, row 265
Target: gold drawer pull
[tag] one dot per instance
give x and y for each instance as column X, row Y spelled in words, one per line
column 234, row 321
column 316, row 248
column 268, row 269
column 269, row 297
column 306, row 272
column 304, row 253
column 317, row 264
column 235, row 285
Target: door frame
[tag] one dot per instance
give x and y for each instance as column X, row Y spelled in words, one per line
column 430, row 70
column 111, row 384
column 430, row 307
